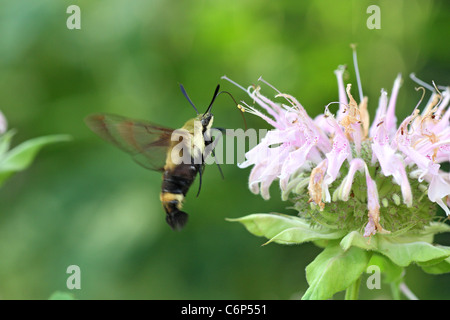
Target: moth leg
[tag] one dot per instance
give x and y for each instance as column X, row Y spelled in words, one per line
column 218, row 165
column 200, row 173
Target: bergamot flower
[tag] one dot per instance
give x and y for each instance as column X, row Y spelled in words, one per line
column 371, row 185
column 341, row 162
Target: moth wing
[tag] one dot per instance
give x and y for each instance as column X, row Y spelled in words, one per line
column 146, row 142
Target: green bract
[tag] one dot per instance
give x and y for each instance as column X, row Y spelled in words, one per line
column 21, row 157
column 348, row 254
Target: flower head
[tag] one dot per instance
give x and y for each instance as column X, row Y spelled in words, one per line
column 348, row 171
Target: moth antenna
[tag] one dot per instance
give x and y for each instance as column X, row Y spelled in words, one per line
column 213, row 99
column 187, row 97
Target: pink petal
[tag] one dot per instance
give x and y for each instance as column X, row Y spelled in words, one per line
column 438, row 189
column 380, row 114
column 391, row 120
column 343, row 100
column 355, row 165
column 3, row 123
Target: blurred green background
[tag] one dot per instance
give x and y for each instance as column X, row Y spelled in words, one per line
column 86, row 203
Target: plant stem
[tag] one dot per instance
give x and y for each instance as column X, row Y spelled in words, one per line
column 395, row 291
column 407, row 292
column 352, row 292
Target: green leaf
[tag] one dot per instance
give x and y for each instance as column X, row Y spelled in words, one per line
column 355, row 238
column 21, row 157
column 405, row 248
column 432, row 262
column 5, row 141
column 427, row 234
column 391, row 271
column 322, row 243
column 59, row 295
column 404, row 254
column 285, row 229
column 434, row 228
column 334, row 270
column 438, row 268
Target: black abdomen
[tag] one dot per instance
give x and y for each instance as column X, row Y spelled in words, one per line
column 175, row 185
column 179, row 180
